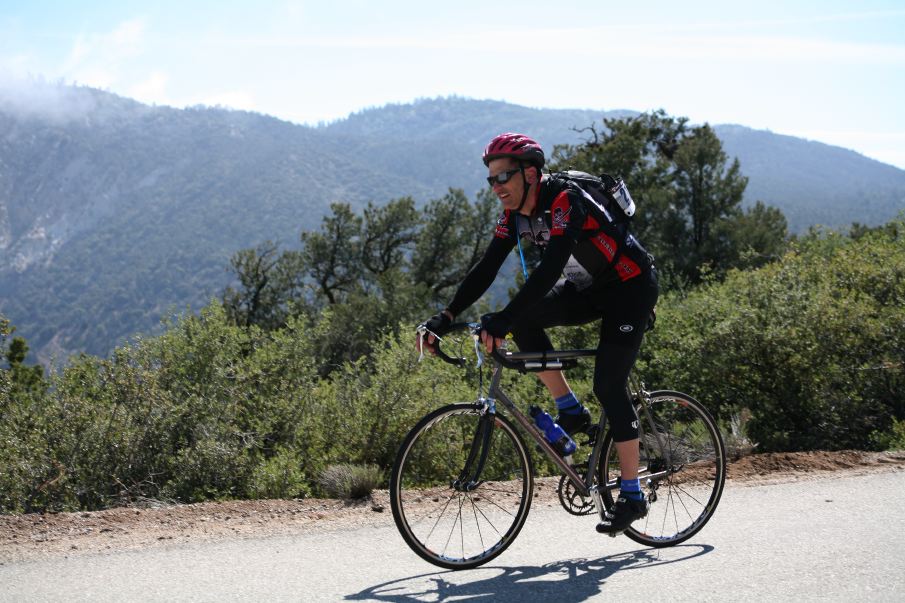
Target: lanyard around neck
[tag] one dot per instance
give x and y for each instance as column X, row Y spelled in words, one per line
column 518, row 240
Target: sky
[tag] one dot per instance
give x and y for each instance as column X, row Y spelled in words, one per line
column 829, row 70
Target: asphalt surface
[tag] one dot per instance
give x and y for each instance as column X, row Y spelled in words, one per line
column 836, row 538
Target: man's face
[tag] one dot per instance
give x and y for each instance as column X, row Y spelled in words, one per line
column 510, row 193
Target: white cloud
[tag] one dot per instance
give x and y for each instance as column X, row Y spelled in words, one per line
column 77, row 54
column 128, row 34
column 651, row 43
column 153, row 89
column 778, row 49
column 99, row 59
column 15, row 66
column 294, row 11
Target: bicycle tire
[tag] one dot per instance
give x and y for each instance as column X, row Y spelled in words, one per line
column 429, row 511
column 693, row 483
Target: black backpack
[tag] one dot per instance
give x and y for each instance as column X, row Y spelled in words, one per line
column 609, row 194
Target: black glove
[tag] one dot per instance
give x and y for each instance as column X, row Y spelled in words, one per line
column 497, row 324
column 438, row 324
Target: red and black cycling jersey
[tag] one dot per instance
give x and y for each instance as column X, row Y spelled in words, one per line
column 580, row 241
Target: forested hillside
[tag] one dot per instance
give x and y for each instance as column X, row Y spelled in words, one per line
column 814, row 183
column 113, row 213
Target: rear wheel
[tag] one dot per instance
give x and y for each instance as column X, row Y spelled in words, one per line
column 683, row 480
column 452, row 508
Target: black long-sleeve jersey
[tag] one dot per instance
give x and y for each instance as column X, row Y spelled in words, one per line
column 579, row 238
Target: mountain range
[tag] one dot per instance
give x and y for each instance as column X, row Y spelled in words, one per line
column 115, row 214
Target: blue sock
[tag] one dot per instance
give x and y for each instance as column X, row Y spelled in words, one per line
column 631, row 489
column 568, row 404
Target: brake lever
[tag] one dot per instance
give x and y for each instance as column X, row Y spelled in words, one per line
column 423, row 332
column 477, row 349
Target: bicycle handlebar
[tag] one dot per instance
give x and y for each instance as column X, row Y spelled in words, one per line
column 460, row 362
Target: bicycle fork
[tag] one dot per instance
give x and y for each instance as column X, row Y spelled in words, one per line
column 469, row 477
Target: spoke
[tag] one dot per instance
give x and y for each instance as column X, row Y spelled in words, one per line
column 690, row 516
column 675, row 517
column 513, row 491
column 487, row 519
column 461, row 527
column 439, row 517
column 679, row 488
column 666, row 514
column 669, row 443
column 498, row 506
column 452, row 530
column 477, row 523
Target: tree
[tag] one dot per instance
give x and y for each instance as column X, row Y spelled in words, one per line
column 452, row 240
column 332, row 257
column 756, row 237
column 688, row 193
column 269, row 284
column 360, row 276
column 5, row 380
column 892, row 228
column 18, row 381
column 708, row 193
column 388, row 235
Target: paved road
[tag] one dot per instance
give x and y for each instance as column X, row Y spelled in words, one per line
column 838, row 539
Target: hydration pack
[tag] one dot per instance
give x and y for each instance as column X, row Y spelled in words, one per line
column 609, row 194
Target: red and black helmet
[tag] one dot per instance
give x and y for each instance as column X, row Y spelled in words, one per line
column 517, row 146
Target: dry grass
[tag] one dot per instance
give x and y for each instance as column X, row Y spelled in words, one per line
column 347, row 481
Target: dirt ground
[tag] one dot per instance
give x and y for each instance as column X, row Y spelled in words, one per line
column 33, row 536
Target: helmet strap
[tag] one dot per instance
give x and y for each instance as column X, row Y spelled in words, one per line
column 521, row 167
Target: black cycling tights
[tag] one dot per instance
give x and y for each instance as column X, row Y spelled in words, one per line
column 614, row 362
column 624, row 309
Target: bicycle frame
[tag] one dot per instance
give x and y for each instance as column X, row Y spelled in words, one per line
column 469, row 477
column 584, row 486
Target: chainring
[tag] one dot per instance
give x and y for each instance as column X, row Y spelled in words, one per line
column 572, row 501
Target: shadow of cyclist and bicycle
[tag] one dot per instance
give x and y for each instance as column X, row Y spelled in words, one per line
column 569, row 580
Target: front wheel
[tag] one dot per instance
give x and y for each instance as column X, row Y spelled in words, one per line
column 682, row 469
column 461, row 486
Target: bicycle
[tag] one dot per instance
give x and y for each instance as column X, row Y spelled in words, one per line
column 463, row 479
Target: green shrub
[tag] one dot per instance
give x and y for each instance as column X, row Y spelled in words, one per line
column 813, row 345
column 209, row 410
column 893, row 439
column 280, row 476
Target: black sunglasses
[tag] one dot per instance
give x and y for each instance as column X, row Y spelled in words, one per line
column 502, row 177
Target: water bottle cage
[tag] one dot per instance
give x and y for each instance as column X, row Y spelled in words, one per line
column 552, row 432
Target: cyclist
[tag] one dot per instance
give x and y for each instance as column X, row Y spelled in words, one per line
column 607, row 275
